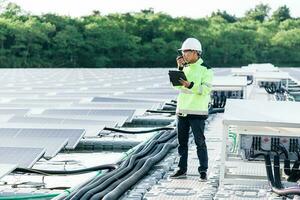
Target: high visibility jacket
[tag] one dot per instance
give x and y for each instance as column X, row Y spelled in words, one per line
column 195, row 99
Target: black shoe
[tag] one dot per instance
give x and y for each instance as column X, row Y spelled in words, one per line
column 178, row 175
column 203, row 177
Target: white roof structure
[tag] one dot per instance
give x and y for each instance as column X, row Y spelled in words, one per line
column 243, row 71
column 271, row 76
column 263, row 67
column 229, row 83
column 262, row 113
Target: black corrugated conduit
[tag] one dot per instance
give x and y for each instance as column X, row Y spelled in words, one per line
column 249, row 82
column 171, row 104
column 219, row 100
column 286, row 162
column 117, row 175
column 213, row 110
column 110, row 178
column 268, row 166
column 95, row 179
column 162, row 111
column 276, row 165
column 276, row 168
column 104, row 181
column 125, row 185
column 138, row 132
column 295, row 172
column 137, row 166
column 223, row 101
column 270, row 89
column 215, row 100
column 276, row 184
column 169, row 108
column 216, row 110
column 109, row 167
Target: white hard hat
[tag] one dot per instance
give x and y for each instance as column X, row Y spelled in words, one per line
column 191, row 44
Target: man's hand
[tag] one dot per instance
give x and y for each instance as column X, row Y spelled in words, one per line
column 180, row 61
column 184, row 83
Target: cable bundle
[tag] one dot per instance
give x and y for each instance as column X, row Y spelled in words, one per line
column 114, row 184
column 274, row 177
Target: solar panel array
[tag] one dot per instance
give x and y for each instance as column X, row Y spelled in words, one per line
column 43, row 111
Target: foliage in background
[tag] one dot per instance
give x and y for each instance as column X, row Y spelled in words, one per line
column 146, row 39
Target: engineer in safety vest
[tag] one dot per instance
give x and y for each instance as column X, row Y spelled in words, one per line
column 192, row 105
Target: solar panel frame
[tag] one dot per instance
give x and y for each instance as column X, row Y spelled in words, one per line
column 119, row 120
column 40, row 119
column 125, row 100
column 20, row 156
column 19, row 111
column 73, row 135
column 92, row 112
column 90, row 130
column 6, row 169
column 52, row 145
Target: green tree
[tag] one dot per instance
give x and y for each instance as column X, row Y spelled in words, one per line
column 281, row 14
column 259, row 13
column 145, row 39
column 229, row 18
column 286, row 47
column 67, row 44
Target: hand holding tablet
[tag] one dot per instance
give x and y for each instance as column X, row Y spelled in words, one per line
column 175, row 77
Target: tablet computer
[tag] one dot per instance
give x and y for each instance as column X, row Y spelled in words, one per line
column 175, row 76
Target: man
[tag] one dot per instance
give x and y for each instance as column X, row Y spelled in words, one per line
column 192, row 105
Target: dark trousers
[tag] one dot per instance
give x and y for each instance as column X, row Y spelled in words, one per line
column 197, row 123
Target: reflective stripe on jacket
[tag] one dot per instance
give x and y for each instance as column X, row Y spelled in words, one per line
column 196, row 99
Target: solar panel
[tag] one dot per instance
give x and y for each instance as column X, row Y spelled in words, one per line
column 90, row 130
column 13, row 111
column 73, row 135
column 8, row 132
column 81, row 94
column 114, row 112
column 22, row 157
column 20, row 119
column 65, row 112
column 149, row 96
column 120, row 112
column 56, row 120
column 40, row 100
column 123, row 105
column 119, row 100
column 52, row 145
column 6, row 169
column 120, row 120
column 92, row 112
column 156, row 92
column 90, row 122
column 30, row 105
